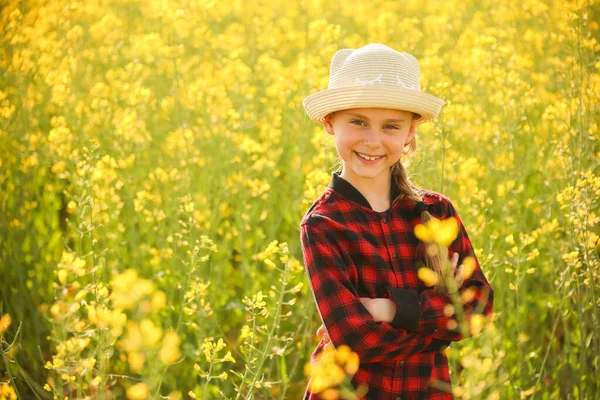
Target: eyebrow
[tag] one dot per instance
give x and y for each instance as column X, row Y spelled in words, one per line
column 387, row 120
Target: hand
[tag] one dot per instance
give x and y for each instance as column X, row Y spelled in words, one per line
column 322, row 332
column 459, row 276
column 382, row 309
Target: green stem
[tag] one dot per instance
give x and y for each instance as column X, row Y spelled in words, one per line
column 273, row 327
column 540, row 374
column 210, row 368
column 6, row 365
column 250, row 354
column 179, row 318
column 303, row 342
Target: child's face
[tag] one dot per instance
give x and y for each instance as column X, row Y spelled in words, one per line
column 372, row 132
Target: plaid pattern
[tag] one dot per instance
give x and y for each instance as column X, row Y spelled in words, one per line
column 352, row 251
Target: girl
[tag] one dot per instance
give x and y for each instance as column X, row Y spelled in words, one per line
column 360, row 253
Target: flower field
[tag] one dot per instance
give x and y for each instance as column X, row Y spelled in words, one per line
column 156, row 160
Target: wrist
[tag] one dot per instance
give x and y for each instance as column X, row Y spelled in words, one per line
column 408, row 311
column 392, row 309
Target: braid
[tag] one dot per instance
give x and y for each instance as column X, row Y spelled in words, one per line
column 431, row 253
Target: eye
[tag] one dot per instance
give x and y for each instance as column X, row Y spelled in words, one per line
column 357, row 122
column 391, row 127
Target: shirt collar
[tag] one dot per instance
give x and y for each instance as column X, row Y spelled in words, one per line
column 347, row 190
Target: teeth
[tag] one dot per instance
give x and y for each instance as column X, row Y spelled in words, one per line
column 368, row 158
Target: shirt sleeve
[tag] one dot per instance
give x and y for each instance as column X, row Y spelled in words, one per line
column 344, row 316
column 426, row 312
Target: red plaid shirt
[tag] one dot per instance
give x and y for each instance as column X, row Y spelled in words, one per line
column 352, row 251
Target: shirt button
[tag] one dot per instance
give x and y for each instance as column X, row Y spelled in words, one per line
column 395, row 255
column 398, row 398
column 385, row 220
column 402, row 362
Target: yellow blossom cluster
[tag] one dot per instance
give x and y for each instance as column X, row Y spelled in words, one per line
column 438, row 231
column 5, row 322
column 331, row 372
column 7, row 392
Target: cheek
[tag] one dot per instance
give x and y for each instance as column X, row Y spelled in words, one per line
column 400, row 142
column 344, row 142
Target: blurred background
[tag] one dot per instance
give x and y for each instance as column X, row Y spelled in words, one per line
column 156, row 160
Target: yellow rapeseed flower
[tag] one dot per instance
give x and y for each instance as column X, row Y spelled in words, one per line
column 229, row 357
column 150, row 332
column 331, row 368
column 136, row 361
column 7, row 392
column 169, row 353
column 427, row 276
column 476, row 324
column 329, row 394
column 159, row 300
column 5, row 322
column 468, row 267
column 222, row 376
column 139, row 391
column 439, row 231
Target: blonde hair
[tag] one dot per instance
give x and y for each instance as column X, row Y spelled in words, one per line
column 431, row 253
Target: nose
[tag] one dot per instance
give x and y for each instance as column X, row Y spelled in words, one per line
column 372, row 138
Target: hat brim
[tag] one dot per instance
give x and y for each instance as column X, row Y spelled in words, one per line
column 319, row 104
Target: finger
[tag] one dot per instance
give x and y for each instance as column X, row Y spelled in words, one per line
column 321, row 330
column 328, row 345
column 460, row 277
column 454, row 260
column 326, row 338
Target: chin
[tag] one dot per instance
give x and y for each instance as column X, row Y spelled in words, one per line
column 368, row 174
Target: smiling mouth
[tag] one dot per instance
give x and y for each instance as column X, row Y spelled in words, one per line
column 367, row 157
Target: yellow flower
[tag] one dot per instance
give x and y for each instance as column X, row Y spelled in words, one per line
column 467, row 295
column 476, row 324
column 468, row 267
column 429, row 277
column 159, row 299
column 228, row 357
column 245, row 332
column 342, row 354
column 169, row 353
column 222, row 376
column 352, row 363
column 62, row 276
column 136, row 361
column 175, row 396
column 442, row 232
column 71, row 207
column 139, row 391
column 5, row 322
column 134, row 340
column 510, row 239
column 150, row 333
column 331, row 368
column 7, row 392
column 329, row 394
column 128, row 289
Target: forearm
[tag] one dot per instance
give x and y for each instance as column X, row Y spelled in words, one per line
column 346, row 319
column 440, row 315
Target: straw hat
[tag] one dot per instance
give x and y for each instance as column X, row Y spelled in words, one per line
column 373, row 76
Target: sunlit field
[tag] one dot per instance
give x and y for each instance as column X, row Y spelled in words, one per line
column 156, row 161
